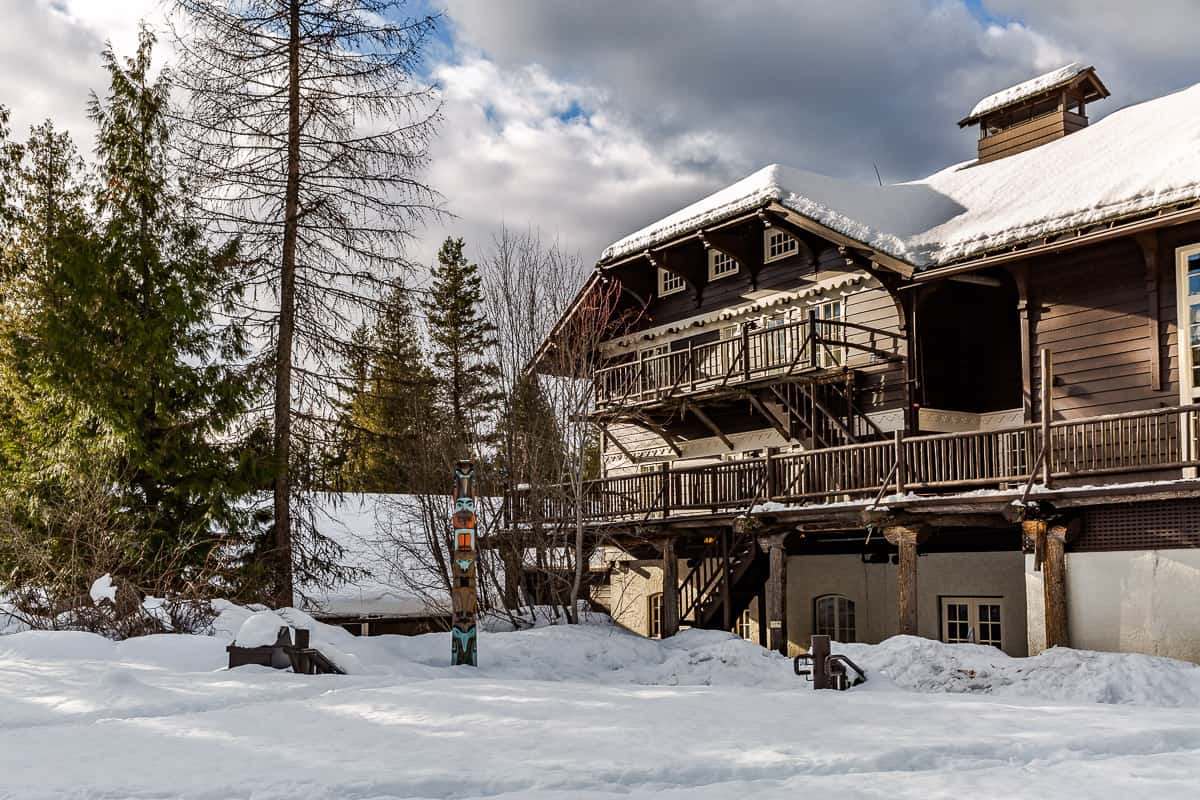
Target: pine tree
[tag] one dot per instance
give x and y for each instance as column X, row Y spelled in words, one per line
column 464, row 341
column 391, row 410
column 117, row 325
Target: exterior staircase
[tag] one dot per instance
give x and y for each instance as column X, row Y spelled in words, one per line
column 708, row 586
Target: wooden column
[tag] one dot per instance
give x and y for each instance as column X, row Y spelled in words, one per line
column 1148, row 242
column 762, row 617
column 1054, row 582
column 670, row 593
column 1047, row 416
column 726, row 582
column 1026, row 319
column 777, row 595
column 907, row 538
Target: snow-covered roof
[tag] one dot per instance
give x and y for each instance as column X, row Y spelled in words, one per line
column 1029, row 88
column 1138, row 159
column 392, row 582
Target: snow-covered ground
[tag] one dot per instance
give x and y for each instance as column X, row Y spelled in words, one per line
column 584, row 712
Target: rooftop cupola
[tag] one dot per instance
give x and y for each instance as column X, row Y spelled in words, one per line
column 1034, row 112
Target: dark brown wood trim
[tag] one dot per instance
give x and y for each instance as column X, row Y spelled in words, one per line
column 1148, row 242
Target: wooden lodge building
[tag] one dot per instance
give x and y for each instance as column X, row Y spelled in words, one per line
column 963, row 407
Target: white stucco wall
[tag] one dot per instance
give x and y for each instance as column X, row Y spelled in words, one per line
column 1140, row 601
column 873, row 589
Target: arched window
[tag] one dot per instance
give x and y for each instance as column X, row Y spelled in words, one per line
column 654, row 615
column 833, row 616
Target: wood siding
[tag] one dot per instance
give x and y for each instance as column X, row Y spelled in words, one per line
column 1030, row 134
column 1094, row 319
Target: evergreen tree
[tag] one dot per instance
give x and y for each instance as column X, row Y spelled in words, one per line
column 118, row 325
column 464, row 340
column 531, row 446
column 393, row 406
column 10, row 155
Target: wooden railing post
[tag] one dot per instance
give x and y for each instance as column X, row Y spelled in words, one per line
column 901, row 478
column 769, row 483
column 692, row 361
column 814, row 340
column 1047, row 378
column 746, row 351
column 664, row 472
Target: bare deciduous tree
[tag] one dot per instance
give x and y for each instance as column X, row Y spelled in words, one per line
column 549, row 446
column 305, row 133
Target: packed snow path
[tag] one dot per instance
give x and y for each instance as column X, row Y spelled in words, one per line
column 585, row 712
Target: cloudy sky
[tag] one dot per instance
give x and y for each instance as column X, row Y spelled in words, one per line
column 590, row 119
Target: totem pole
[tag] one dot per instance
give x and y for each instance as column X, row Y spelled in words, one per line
column 464, row 601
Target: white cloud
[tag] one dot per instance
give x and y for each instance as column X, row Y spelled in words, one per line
column 50, row 57
column 510, row 151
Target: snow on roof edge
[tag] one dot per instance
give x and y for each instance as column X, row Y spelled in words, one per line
column 1137, row 160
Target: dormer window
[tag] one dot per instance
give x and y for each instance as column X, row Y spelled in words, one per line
column 669, row 282
column 721, row 264
column 777, row 245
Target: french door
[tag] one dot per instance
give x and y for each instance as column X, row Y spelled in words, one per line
column 973, row 619
column 1187, row 294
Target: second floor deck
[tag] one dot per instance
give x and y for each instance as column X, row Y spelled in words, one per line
column 1153, row 445
column 739, row 356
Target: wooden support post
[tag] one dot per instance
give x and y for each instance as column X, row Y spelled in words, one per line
column 777, row 595
column 1054, row 582
column 670, row 588
column 901, row 467
column 907, row 539
column 1025, row 312
column 1047, row 378
column 707, row 422
column 726, row 583
column 762, row 617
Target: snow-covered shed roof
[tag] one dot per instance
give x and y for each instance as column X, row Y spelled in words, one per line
column 391, row 582
column 1026, row 89
column 1136, row 160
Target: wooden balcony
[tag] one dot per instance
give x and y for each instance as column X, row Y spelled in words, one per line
column 1136, row 446
column 810, row 345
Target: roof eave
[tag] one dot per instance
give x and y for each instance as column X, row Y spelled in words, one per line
column 1160, row 218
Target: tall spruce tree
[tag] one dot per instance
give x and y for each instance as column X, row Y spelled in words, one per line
column 10, row 155
column 393, row 406
column 464, row 342
column 118, row 323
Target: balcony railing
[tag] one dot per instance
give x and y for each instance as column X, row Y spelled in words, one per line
column 1133, row 444
column 810, row 344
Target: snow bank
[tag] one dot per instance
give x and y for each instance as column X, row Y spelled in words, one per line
column 1060, row 674
column 599, row 652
